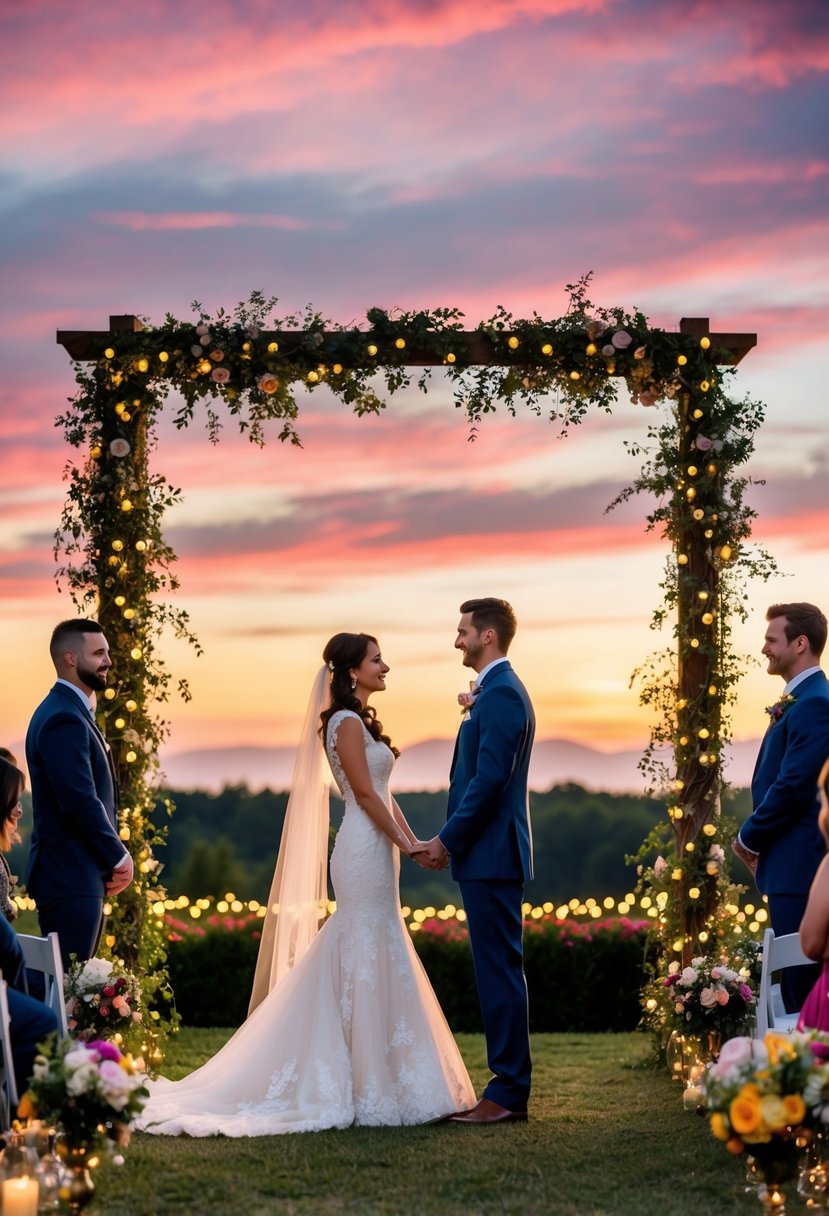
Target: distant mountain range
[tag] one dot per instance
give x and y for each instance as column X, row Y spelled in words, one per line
column 425, row 766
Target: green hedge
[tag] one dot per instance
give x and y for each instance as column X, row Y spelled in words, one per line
column 581, row 976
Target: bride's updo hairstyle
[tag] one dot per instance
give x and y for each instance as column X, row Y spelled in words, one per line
column 343, row 654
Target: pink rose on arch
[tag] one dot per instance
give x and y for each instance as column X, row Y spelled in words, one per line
column 621, row 339
column 220, row 375
column 722, row 996
column 205, row 339
column 709, row 998
column 703, row 444
column 119, row 447
column 201, row 328
column 196, row 350
column 268, row 383
column 648, row 398
column 608, row 351
column 659, row 866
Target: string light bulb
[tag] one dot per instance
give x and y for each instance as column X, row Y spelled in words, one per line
column 705, row 343
column 547, row 349
column 512, row 342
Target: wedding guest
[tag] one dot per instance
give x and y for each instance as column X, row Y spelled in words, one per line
column 5, row 754
column 30, row 1020
column 780, row 841
column 814, row 928
column 12, row 783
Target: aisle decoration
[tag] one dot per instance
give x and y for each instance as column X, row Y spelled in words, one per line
column 103, row 1001
column 768, row 1098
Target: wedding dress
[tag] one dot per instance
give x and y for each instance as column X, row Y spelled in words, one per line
column 353, row 1033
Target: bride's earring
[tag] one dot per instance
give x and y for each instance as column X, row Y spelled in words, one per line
column 353, row 685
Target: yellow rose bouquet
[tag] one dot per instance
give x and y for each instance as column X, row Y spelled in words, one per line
column 762, row 1096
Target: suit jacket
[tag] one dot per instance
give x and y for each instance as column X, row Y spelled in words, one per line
column 75, row 842
column 487, row 831
column 782, row 828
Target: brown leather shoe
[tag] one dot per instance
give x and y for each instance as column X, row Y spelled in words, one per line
column 489, row 1112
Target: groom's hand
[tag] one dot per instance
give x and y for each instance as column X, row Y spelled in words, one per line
column 121, row 877
column 435, row 854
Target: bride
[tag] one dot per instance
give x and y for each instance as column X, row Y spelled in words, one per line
column 343, row 1026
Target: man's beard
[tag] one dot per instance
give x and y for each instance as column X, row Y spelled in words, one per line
column 472, row 652
column 92, row 678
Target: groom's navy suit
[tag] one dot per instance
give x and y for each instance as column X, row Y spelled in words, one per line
column 782, row 827
column 75, row 842
column 489, row 839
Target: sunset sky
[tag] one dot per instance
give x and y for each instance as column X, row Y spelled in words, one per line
column 413, row 153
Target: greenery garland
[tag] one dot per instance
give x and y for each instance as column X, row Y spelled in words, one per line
column 249, row 365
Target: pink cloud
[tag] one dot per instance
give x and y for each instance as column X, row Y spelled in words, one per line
column 164, row 221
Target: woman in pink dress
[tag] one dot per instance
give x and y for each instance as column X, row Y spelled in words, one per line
column 814, row 928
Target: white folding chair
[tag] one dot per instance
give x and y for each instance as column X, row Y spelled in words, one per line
column 778, row 953
column 43, row 954
column 8, row 1085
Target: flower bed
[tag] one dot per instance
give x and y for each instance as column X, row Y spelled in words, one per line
column 581, row 976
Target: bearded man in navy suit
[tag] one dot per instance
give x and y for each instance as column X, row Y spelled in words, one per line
column 780, row 841
column 77, row 857
column 489, row 840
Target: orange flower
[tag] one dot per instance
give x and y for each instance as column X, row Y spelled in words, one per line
column 744, row 1111
column 795, row 1107
column 25, row 1108
column 735, row 1146
column 719, row 1127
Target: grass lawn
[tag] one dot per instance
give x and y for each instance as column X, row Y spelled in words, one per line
column 606, row 1137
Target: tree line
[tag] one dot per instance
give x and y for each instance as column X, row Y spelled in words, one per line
column 228, row 842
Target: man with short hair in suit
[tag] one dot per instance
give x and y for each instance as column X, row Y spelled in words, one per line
column 77, row 857
column 780, row 841
column 488, row 838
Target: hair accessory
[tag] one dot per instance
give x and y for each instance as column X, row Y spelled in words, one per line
column 330, row 664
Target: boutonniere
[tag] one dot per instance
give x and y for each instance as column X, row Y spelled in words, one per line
column 776, row 711
column 467, row 699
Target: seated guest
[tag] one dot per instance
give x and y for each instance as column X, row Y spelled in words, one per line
column 814, row 928
column 12, row 782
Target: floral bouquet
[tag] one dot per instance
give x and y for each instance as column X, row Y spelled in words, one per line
column 707, row 996
column 103, row 1001
column 762, row 1095
column 90, row 1090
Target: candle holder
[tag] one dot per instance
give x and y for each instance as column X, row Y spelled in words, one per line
column 19, row 1186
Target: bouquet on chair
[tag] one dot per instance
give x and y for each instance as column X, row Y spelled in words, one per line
column 706, row 997
column 103, row 1001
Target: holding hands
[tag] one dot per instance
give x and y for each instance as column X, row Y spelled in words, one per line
column 430, row 854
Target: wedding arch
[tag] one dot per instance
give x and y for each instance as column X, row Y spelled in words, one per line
column 112, row 553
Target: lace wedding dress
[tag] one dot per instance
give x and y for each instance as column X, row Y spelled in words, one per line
column 353, row 1033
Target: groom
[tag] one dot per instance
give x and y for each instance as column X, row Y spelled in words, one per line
column 489, row 840
column 77, row 856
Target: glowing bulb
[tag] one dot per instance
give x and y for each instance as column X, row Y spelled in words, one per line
column 694, row 643
column 547, row 349
column 704, row 732
column 125, row 416
column 450, row 358
column 708, row 533
column 143, row 365
column 712, row 469
column 676, row 875
column 129, row 614
column 205, row 366
column 136, row 653
column 575, row 375
column 705, row 343
column 725, row 553
column 681, row 703
column 712, row 690
column 109, row 353
column 709, row 829
column 692, row 470
column 697, row 414
column 590, row 349
column 119, row 408
column 312, row 377
column 704, row 386
column 126, row 505
column 683, row 740
column 707, row 618
column 95, row 452
column 682, row 360
column 698, row 514
column 273, row 347
column 690, row 493
column 400, row 343
column 337, row 368
column 109, row 694
column 117, row 545
column 163, row 357
column 131, row 757
column 693, row 893
column 372, row 349
column 120, row 723
column 690, row 846
column 131, row 706
column 246, row 346
column 120, row 601
column 141, row 545
column 512, row 342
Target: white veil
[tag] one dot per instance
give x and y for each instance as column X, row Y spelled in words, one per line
column 299, row 892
